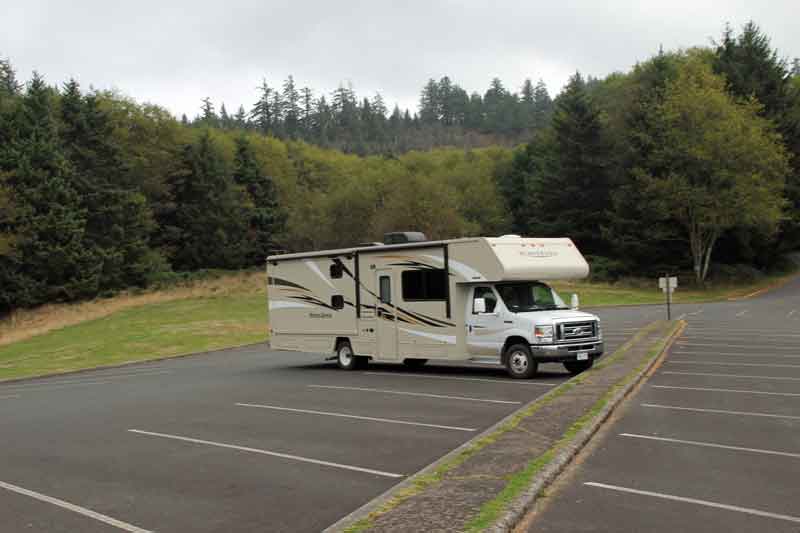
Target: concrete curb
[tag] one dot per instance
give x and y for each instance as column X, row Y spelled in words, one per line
column 128, row 363
column 381, row 500
column 519, row 507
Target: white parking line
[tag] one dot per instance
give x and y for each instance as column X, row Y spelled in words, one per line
column 344, row 415
column 267, row 452
column 709, row 389
column 766, row 365
column 712, row 445
column 706, row 503
column 760, row 347
column 501, row 381
column 779, row 378
column 718, row 411
column 737, row 332
column 423, row 394
column 738, row 354
column 74, row 508
column 96, row 380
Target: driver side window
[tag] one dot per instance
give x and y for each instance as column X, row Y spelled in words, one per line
column 487, row 294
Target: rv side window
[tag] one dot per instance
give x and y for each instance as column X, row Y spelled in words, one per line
column 488, row 295
column 424, row 285
column 336, row 270
column 386, row 289
column 337, row 301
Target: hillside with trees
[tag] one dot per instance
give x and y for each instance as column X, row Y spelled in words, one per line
column 690, row 161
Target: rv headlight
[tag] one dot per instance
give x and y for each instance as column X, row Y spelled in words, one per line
column 543, row 333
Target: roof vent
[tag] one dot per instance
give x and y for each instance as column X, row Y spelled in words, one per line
column 404, row 237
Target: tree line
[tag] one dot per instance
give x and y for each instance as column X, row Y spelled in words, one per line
column 689, row 161
column 447, row 115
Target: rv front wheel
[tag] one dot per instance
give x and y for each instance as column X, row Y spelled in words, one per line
column 519, row 362
column 345, row 357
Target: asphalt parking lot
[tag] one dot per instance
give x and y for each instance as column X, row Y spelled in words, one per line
column 711, row 442
column 241, row 440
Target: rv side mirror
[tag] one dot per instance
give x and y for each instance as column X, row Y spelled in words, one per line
column 574, row 302
column 479, row 306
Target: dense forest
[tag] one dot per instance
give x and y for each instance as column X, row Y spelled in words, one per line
column 690, row 161
column 447, row 115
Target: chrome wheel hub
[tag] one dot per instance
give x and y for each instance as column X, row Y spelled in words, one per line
column 345, row 355
column 519, row 362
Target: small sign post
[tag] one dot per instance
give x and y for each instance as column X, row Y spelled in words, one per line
column 668, row 284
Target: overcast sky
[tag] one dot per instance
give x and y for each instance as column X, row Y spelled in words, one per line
column 174, row 53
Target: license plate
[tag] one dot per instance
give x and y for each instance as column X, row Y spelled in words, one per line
column 583, row 356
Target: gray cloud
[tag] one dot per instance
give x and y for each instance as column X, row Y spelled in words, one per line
column 175, row 53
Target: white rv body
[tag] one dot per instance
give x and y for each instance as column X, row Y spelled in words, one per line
column 417, row 301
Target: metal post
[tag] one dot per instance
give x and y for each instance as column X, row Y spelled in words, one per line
column 669, row 298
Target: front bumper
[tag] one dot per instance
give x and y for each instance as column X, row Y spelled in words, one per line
column 560, row 353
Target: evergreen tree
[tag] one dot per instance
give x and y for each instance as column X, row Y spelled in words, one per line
column 542, row 107
column 266, row 218
column 240, row 118
column 206, row 224
column 575, row 179
column 291, row 107
column 208, row 116
column 262, row 114
column 9, row 86
column 429, row 103
column 50, row 260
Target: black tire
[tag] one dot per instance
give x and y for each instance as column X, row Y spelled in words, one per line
column 519, row 362
column 345, row 357
column 576, row 367
column 415, row 363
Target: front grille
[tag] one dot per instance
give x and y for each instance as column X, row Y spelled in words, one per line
column 576, row 331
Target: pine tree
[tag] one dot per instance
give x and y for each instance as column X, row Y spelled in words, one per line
column 542, row 106
column 266, row 218
column 208, row 116
column 575, row 177
column 262, row 114
column 9, row 86
column 307, row 114
column 291, row 107
column 205, row 226
column 51, row 260
column 240, row 119
column 429, row 105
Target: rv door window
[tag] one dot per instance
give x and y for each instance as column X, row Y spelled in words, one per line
column 424, row 285
column 488, row 295
column 386, row 289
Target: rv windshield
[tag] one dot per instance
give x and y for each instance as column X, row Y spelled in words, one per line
column 529, row 296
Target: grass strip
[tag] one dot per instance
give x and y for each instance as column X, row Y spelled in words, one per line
column 491, row 511
column 426, row 481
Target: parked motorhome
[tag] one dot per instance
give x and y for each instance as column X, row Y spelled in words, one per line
column 479, row 299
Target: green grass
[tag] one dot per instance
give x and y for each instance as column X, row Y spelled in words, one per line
column 602, row 294
column 491, row 511
column 141, row 333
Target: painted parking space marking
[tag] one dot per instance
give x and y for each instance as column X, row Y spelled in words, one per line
column 124, row 526
column 97, row 380
column 706, row 503
column 356, row 417
column 765, row 365
column 455, row 378
column 267, row 452
column 740, row 391
column 761, row 346
column 732, row 354
column 711, row 445
column 422, row 394
column 718, row 411
column 737, row 332
column 710, row 374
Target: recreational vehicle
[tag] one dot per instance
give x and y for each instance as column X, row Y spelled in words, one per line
column 410, row 300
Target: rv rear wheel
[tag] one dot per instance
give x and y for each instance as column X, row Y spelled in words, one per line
column 519, row 362
column 414, row 363
column 576, row 367
column 346, row 359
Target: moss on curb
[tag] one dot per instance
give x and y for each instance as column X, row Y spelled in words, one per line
column 491, row 510
column 520, row 480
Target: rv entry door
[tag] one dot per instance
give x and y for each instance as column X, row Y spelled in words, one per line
column 387, row 315
column 485, row 328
